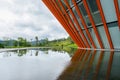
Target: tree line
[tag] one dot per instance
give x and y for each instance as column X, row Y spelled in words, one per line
column 22, row 42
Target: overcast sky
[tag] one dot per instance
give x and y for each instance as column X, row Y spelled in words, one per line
column 28, row 18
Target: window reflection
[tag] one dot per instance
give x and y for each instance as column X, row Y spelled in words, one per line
column 77, row 17
column 119, row 4
column 95, row 12
column 84, row 13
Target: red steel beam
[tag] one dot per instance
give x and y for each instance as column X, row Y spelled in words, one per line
column 61, row 21
column 83, row 23
column 93, row 23
column 105, row 25
column 117, row 11
column 78, row 25
column 68, row 17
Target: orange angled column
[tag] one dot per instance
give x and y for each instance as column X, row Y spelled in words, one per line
column 61, row 21
column 105, row 25
column 73, row 26
column 93, row 24
column 74, row 18
column 63, row 18
column 84, row 24
column 117, row 11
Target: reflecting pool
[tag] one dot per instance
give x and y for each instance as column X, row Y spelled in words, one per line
column 53, row 64
column 93, row 65
column 36, row 64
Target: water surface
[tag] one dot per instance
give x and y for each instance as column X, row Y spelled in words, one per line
column 37, row 64
column 93, row 65
column 53, row 64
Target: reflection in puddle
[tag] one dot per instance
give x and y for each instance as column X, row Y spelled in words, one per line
column 93, row 65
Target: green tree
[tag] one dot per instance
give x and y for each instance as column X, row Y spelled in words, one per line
column 23, row 42
column 1, row 45
column 37, row 41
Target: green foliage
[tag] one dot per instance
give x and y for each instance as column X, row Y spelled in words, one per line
column 60, row 43
column 1, row 46
column 21, row 42
column 37, row 41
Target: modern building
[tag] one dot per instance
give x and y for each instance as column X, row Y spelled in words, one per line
column 91, row 24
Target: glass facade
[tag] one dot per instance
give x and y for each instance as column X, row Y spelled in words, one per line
column 104, row 17
column 109, row 10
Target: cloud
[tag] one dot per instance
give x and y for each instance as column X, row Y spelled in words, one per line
column 28, row 18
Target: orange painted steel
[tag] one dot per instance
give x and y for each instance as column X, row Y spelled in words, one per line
column 67, row 22
column 62, row 16
column 68, row 17
column 83, row 23
column 109, row 65
column 117, row 11
column 75, row 30
column 61, row 21
column 74, row 33
column 77, row 23
column 105, row 25
column 93, row 24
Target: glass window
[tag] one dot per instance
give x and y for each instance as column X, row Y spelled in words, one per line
column 77, row 17
column 103, row 36
column 84, row 14
column 119, row 4
column 64, row 4
column 109, row 10
column 87, row 38
column 94, row 37
column 73, row 20
column 70, row 3
column 93, row 5
column 95, row 12
column 115, row 34
column 77, row 1
column 81, row 6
